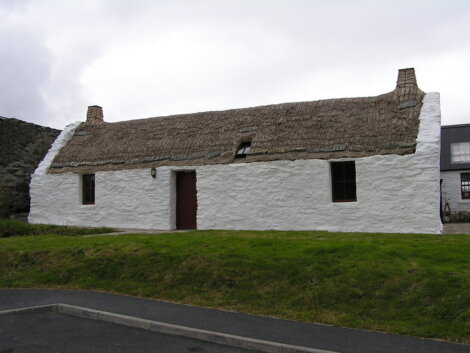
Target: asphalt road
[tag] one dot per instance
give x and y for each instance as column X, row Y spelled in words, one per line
column 58, row 333
column 325, row 337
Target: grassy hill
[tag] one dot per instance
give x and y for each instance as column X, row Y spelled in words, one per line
column 402, row 283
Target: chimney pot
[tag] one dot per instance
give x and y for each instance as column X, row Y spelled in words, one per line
column 94, row 115
column 406, row 78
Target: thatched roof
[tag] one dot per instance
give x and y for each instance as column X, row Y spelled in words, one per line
column 325, row 129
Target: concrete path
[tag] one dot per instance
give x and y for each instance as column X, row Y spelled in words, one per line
column 122, row 231
column 287, row 332
column 449, row 228
column 456, row 228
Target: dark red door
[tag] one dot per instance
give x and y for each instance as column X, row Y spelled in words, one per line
column 186, row 200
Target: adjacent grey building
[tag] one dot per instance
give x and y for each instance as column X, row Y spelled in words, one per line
column 455, row 171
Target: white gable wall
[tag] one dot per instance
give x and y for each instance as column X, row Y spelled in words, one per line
column 394, row 193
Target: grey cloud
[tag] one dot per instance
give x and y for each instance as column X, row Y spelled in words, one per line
column 25, row 67
column 254, row 52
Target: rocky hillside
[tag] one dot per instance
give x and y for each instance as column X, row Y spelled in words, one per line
column 22, row 146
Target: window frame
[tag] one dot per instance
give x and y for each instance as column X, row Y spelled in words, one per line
column 465, row 184
column 342, row 181
column 88, row 189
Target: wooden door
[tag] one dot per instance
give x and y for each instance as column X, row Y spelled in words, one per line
column 186, row 200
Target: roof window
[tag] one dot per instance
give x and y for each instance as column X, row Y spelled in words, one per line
column 243, row 149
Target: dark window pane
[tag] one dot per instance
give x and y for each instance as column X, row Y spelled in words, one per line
column 349, row 171
column 338, row 191
column 337, row 171
column 350, row 190
column 465, row 185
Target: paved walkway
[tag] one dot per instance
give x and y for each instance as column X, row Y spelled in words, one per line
column 449, row 228
column 122, row 231
column 456, row 228
column 316, row 336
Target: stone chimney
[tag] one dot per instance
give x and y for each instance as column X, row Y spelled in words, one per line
column 94, row 115
column 407, row 88
column 406, row 78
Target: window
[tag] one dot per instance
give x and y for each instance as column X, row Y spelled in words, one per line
column 460, row 152
column 88, row 189
column 465, row 185
column 343, row 181
column 243, row 149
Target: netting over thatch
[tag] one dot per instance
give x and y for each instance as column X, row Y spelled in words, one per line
column 325, row 129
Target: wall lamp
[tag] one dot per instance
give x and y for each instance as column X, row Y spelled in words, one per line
column 153, row 172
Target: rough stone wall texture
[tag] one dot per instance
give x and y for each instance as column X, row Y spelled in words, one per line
column 394, row 193
column 22, row 146
column 451, row 191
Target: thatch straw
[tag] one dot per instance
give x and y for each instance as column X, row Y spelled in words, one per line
column 325, row 129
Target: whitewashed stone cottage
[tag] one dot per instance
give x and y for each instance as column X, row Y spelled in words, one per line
column 455, row 171
column 354, row 164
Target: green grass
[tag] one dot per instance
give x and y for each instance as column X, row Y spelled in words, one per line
column 10, row 227
column 407, row 284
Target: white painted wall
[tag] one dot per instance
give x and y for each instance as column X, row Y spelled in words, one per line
column 128, row 199
column 451, row 191
column 394, row 193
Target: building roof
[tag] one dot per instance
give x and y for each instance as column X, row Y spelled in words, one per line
column 324, row 129
column 453, row 134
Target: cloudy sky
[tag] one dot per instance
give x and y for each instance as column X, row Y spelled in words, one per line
column 145, row 58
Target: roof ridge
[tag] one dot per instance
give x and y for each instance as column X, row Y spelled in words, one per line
column 332, row 100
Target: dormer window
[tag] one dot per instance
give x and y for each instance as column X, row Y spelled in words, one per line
column 243, row 149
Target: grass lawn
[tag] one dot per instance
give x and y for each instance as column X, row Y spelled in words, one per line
column 407, row 284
